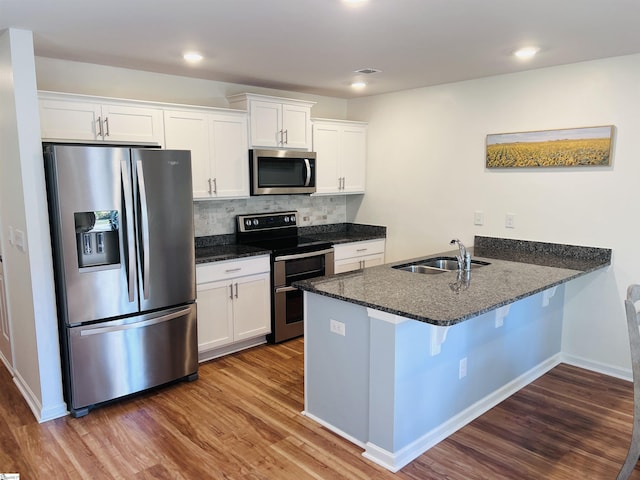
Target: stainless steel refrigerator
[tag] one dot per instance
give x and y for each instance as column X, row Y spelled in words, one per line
column 123, row 243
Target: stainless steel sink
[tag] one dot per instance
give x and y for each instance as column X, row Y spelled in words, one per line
column 435, row 265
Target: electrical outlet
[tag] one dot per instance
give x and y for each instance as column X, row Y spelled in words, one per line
column 337, row 327
column 510, row 220
column 478, row 218
column 462, row 369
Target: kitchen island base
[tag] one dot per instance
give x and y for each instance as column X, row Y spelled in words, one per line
column 397, row 386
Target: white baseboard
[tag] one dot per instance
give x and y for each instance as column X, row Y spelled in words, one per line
column 6, row 364
column 207, row 355
column 394, row 461
column 623, row 373
column 41, row 414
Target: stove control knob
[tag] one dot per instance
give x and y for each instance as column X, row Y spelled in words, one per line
column 286, row 219
column 255, row 222
column 292, row 219
column 247, row 223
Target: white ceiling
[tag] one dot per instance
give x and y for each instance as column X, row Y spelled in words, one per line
column 314, row 46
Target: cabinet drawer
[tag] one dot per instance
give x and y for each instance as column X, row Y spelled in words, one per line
column 358, row 249
column 215, row 271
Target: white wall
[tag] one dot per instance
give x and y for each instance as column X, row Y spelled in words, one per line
column 23, row 207
column 90, row 79
column 426, row 177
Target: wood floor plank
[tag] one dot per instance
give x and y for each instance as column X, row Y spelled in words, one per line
column 242, row 420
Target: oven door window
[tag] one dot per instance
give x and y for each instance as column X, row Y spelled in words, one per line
column 304, row 268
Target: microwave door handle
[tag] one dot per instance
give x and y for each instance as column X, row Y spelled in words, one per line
column 128, row 217
column 144, row 221
column 308, row 166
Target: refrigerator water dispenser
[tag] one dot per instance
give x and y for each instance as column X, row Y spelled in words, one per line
column 97, row 238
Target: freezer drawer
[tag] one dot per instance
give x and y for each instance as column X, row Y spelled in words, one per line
column 112, row 359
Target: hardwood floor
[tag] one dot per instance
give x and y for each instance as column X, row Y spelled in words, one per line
column 241, row 420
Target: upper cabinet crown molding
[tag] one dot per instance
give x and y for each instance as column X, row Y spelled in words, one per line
column 99, row 119
column 276, row 122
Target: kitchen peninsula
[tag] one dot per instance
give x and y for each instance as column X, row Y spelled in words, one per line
column 396, row 361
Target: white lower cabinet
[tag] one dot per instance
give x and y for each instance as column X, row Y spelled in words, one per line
column 358, row 255
column 234, row 305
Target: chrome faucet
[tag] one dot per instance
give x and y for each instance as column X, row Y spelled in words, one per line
column 463, row 257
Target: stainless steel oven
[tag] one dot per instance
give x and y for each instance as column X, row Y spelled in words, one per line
column 288, row 308
column 293, row 257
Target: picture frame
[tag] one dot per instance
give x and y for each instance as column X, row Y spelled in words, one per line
column 569, row 147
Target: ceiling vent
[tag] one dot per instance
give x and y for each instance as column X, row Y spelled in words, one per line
column 368, row 71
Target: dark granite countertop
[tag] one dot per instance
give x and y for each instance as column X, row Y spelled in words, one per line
column 218, row 253
column 216, row 248
column 344, row 232
column 517, row 270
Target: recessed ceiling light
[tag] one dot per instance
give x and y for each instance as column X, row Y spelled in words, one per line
column 358, row 85
column 526, row 52
column 192, row 57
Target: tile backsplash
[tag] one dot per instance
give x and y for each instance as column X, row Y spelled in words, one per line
column 217, row 217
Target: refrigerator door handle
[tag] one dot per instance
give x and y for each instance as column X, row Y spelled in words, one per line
column 129, row 326
column 131, row 247
column 144, row 230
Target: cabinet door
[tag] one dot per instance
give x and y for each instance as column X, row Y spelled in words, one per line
column 131, row 124
column 357, row 263
column 230, row 150
column 347, row 265
column 353, row 156
column 251, row 306
column 296, row 124
column 215, row 315
column 61, row 120
column 326, row 145
column 190, row 131
column 266, row 124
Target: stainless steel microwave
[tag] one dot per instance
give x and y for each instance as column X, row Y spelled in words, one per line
column 281, row 172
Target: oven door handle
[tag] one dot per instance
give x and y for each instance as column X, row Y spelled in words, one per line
column 285, row 289
column 297, row 256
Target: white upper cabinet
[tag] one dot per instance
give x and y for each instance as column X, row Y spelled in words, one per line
column 96, row 119
column 341, row 148
column 219, row 149
column 276, row 122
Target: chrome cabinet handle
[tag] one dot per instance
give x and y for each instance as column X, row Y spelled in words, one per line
column 231, row 270
column 210, row 190
column 215, row 185
column 362, row 250
column 236, row 289
column 106, row 125
column 231, row 291
column 286, row 137
column 281, row 137
column 99, row 126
